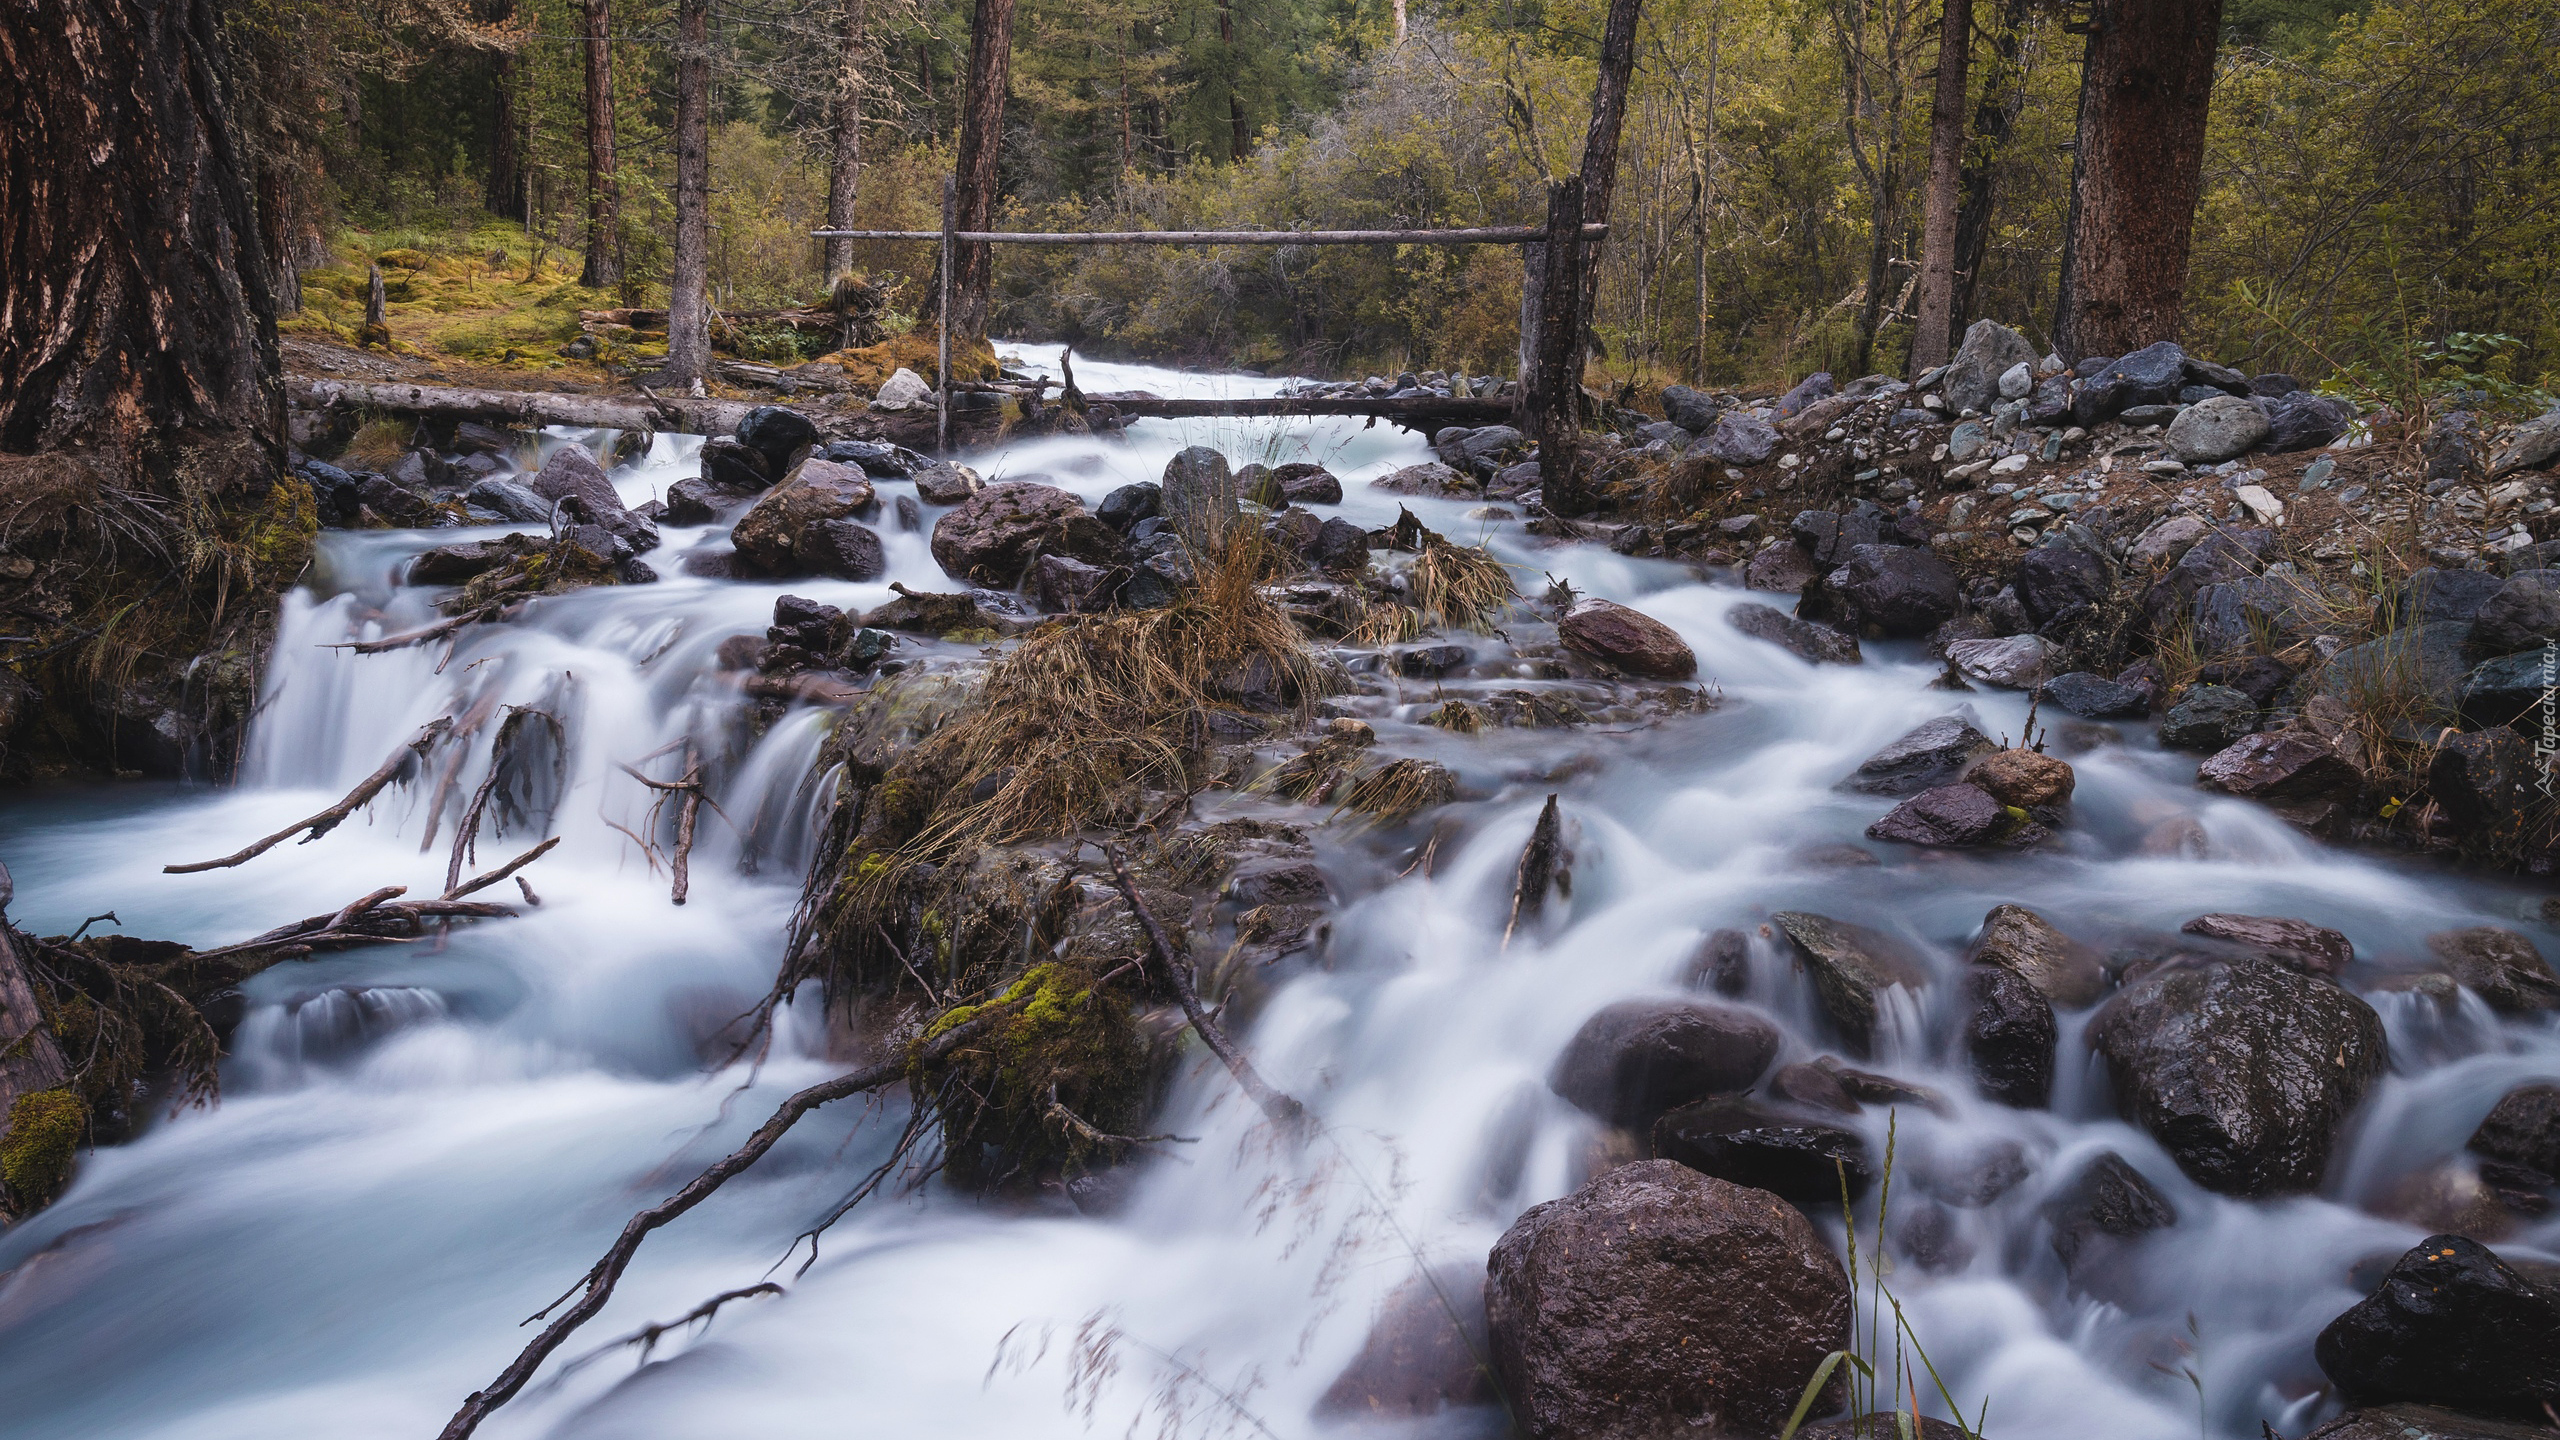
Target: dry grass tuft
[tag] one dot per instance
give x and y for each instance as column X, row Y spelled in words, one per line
column 378, row 444
column 1461, row 585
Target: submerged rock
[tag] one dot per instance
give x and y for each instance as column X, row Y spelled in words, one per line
column 2294, row 944
column 2009, row 1036
column 1658, row 1299
column 2242, row 1070
column 1635, row 1059
column 1791, row 1154
column 1421, row 1354
column 2101, row 1216
column 2502, row 967
column 1852, row 966
column 1805, row 639
column 2451, row 1325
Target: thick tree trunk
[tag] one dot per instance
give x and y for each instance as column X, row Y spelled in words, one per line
column 1552, row 393
column 981, row 146
column 141, row 404
column 1598, row 182
column 1995, row 115
column 688, row 298
column 1238, row 137
column 504, row 189
column 2136, row 173
column 604, row 188
column 1934, row 338
column 844, row 176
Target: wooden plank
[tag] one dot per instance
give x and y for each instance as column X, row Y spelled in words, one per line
column 1487, row 235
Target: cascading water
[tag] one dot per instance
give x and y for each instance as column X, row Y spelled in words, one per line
column 420, row 1145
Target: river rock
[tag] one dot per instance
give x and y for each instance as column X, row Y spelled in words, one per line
column 1740, row 439
column 1420, row 1357
column 1930, row 754
column 1957, row 816
column 2023, row 778
column 573, row 474
column 843, row 549
column 1851, row 967
column 2059, row 583
column 991, row 535
column 1200, row 497
column 2523, row 1130
column 904, row 390
column 2165, row 542
column 2500, row 966
column 1638, row 1058
column 1781, row 566
column 734, row 466
column 2152, row 375
column 1305, row 483
column 2287, row 765
column 2303, row 420
column 2102, row 1215
column 1126, row 506
column 2014, row 662
column 1430, row 479
column 1626, row 639
column 2095, row 697
column 878, row 458
column 2421, row 1422
column 453, row 564
column 772, row 536
column 1339, row 546
column 1656, row 1299
column 776, row 434
column 2024, row 943
column 2218, row 429
column 1972, row 379
column 2242, row 1070
column 1805, row 639
column 943, row 483
column 2451, row 1325
column 1691, row 410
column 2009, row 1036
column 2509, row 690
column 1070, row 587
column 2208, row 718
column 2485, row 782
column 2294, row 944
column 1896, row 591
column 1794, row 1155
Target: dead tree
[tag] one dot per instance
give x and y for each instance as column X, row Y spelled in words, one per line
column 2136, row 173
column 688, row 287
column 1551, row 398
column 1933, row 338
column 603, row 268
column 844, row 174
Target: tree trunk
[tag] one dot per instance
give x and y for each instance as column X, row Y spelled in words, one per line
column 981, row 145
column 603, row 269
column 1933, row 340
column 1995, row 115
column 1400, row 21
column 139, row 370
column 1553, row 390
column 503, row 188
column 688, row 307
column 2136, row 173
column 1598, row 181
column 1238, row 137
column 844, row 177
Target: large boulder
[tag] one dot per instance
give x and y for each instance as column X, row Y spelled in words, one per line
column 1933, row 753
column 1656, row 1299
column 2242, row 1070
column 2500, row 966
column 1626, row 639
column 1692, row 410
column 1852, row 968
column 1740, row 439
column 775, row 434
column 2218, row 429
column 1796, row 1155
column 2009, row 1035
column 1805, row 639
column 2295, row 944
column 1950, row 817
column 779, row 536
column 2152, row 375
column 572, row 475
column 2285, row 765
column 1896, row 591
column 2024, row 943
column 2450, row 1325
column 2522, row 615
column 990, row 536
column 2060, row 583
column 2303, row 420
column 1633, row 1060
column 1990, row 349
column 1421, row 1354
column 1200, row 498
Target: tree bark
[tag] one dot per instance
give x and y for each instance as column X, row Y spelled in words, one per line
column 1995, row 115
column 1555, row 386
column 688, row 299
column 1595, row 184
column 1933, row 340
column 603, row 269
column 2136, row 173
column 981, row 146
column 1239, row 138
column 844, row 176
column 504, row 188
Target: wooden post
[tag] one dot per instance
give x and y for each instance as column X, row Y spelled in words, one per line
column 1556, row 385
column 942, row 321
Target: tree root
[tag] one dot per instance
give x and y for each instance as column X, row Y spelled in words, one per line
column 327, row 820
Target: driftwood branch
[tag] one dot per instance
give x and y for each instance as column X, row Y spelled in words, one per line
column 369, row 920
column 437, row 631
column 688, row 811
column 597, row 1287
column 1541, row 862
column 456, row 892
column 327, row 820
column 1282, row 1109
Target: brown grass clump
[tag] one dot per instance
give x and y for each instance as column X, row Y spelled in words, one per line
column 378, row 444
column 1461, row 585
column 1401, row 789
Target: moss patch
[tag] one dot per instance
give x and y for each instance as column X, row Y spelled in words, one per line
column 37, row 1150
column 1053, row 1092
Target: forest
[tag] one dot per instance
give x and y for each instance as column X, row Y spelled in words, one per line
column 2376, row 177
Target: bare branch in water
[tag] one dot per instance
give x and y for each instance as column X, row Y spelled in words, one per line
column 327, row 820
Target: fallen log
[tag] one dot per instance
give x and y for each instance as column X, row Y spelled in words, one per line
column 414, row 750
column 678, row 413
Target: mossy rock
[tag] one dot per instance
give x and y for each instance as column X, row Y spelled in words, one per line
column 1051, row 1093
column 403, row 259
column 37, row 1150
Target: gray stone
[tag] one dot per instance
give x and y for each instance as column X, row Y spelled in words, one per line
column 1200, row 498
column 2150, row 376
column 1966, row 440
column 2303, row 420
column 510, row 499
column 2017, row 380
column 1691, row 410
column 776, row 434
column 1806, row 639
column 2095, row 697
column 1636, row 1059
column 2533, row 445
column 2217, row 429
column 1808, row 392
column 1896, row 590
column 1951, row 817
column 2509, row 690
column 905, row 390
column 1990, row 350
column 1626, row 639
column 2286, row 765
column 2009, row 1036
column 2501, row 966
column 2452, row 1325
column 2419, row 667
column 1851, row 966
column 1931, row 754
column 1302, row 483
column 843, row 549
column 2432, row 594
column 2016, row 662
column 2061, row 969
column 1740, row 439
column 1126, row 506
column 943, row 483
column 1781, row 566
column 1430, row 478
column 2208, row 718
column 2522, row 615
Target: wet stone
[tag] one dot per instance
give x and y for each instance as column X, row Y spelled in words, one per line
column 1931, row 754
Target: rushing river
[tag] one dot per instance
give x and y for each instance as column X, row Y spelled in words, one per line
column 418, row 1146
